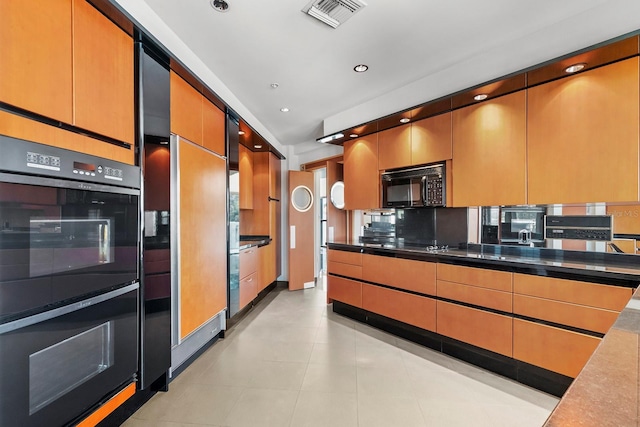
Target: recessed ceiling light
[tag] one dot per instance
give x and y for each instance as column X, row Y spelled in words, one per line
column 481, row 97
column 284, row 109
column 360, row 68
column 274, row 85
column 405, row 120
column 240, row 132
column 220, row 5
column 353, row 135
column 575, row 68
column 257, row 146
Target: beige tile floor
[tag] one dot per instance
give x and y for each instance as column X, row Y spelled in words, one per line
column 293, row 362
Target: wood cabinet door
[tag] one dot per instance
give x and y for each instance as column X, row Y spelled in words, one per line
column 394, row 147
column 203, row 236
column 102, row 74
column 344, row 290
column 489, row 152
column 407, row 308
column 361, row 176
column 245, row 167
column 431, row 140
column 213, row 128
column 248, row 290
column 267, row 267
column 583, row 137
column 186, row 110
column 36, row 61
column 417, row 276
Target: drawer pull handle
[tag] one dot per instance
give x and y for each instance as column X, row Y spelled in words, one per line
column 250, row 280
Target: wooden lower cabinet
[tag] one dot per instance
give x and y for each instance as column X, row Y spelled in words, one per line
column 482, row 297
column 248, row 289
column 344, row 257
column 418, row 276
column 557, row 350
column 408, row 308
column 480, row 328
column 266, row 265
column 342, row 269
column 481, row 277
column 344, row 290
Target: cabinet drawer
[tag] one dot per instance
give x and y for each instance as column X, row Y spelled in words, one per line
column 345, row 257
column 412, row 309
column 248, row 289
column 248, row 261
column 418, row 276
column 572, row 291
column 579, row 316
column 552, row 348
column 483, row 297
column 480, row 328
column 348, row 270
column 344, row 290
column 491, row 279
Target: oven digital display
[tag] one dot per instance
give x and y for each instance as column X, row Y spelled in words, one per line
column 84, row 167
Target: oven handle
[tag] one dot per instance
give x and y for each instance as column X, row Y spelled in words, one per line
column 47, row 315
column 63, row 183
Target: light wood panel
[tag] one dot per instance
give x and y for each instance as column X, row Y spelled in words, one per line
column 248, row 289
column 347, row 270
column 626, row 218
column 572, row 291
column 36, row 59
column 301, row 242
column 480, row 328
column 344, row 257
column 267, row 265
column 20, row 127
column 551, row 348
column 489, row 152
column 102, row 74
column 431, row 140
column 186, row 110
column 417, row 276
column 245, row 166
column 411, row 309
column 492, row 279
column 108, row 407
column 213, row 128
column 576, row 121
column 336, row 218
column 579, row 316
column 203, row 236
column 344, row 290
column 248, row 261
column 275, row 208
column 361, row 176
column 482, row 297
column 394, row 147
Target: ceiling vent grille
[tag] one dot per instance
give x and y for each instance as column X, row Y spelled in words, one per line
column 333, row 12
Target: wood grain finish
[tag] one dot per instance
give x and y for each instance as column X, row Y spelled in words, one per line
column 344, row 257
column 626, row 218
column 491, row 279
column 411, row 309
column 20, row 127
column 248, row 289
column 108, row 407
column 551, row 348
column 431, row 140
column 572, row 291
column 361, row 176
column 482, row 297
column 36, row 60
column 275, row 208
column 336, row 218
column 267, row 265
column 347, row 270
column 344, row 290
column 417, row 276
column 248, row 261
column 480, row 328
column 579, row 316
column 213, row 128
column 394, row 147
column 245, row 167
column 579, row 118
column 301, row 247
column 489, row 152
column 186, row 110
column 102, row 74
column 203, row 231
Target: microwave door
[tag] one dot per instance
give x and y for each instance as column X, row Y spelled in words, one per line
column 423, row 191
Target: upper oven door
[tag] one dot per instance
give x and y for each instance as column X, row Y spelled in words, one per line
column 402, row 191
column 62, row 240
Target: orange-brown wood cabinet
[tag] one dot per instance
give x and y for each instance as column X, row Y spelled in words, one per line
column 213, row 127
column 361, row 176
column 416, row 276
column 186, row 109
column 394, row 147
column 267, row 266
column 245, row 168
column 577, row 123
column 489, row 152
column 412, row 309
column 431, row 140
column 248, row 276
column 343, row 263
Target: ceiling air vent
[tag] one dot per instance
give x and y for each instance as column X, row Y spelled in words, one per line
column 333, row 12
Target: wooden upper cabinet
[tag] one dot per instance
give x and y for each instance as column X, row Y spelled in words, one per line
column 489, row 152
column 394, row 147
column 103, row 74
column 577, row 123
column 431, row 140
column 361, row 176
column 245, row 166
column 213, row 128
column 186, row 110
column 36, row 60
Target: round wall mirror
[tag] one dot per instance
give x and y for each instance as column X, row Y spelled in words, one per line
column 337, row 194
column 301, row 198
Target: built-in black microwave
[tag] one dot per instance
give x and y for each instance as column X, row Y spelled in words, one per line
column 414, row 187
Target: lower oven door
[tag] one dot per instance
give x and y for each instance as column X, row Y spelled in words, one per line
column 57, row 365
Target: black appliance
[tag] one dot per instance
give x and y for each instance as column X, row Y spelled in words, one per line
column 415, row 187
column 522, row 225
column 68, row 281
column 432, row 226
column 580, row 227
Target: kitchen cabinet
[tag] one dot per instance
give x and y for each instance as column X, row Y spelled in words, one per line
column 583, row 137
column 344, row 290
column 267, row 266
column 412, row 309
column 248, row 276
column 245, row 167
column 431, row 140
column 416, row 276
column 102, row 74
column 36, row 61
column 394, row 147
column 186, row 110
column 489, row 152
column 361, row 176
column 343, row 263
column 213, row 128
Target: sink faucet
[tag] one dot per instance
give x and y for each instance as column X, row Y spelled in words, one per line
column 524, row 236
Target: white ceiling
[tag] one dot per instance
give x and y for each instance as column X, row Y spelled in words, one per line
column 417, row 50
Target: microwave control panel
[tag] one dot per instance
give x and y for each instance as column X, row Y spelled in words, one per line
column 435, row 190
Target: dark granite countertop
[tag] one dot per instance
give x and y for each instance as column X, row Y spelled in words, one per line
column 251, row 241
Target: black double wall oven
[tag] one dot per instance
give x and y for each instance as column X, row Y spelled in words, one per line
column 69, row 251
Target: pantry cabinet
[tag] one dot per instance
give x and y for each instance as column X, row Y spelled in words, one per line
column 186, row 110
